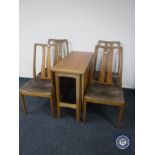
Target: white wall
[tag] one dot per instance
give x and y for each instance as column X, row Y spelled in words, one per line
column 83, row 22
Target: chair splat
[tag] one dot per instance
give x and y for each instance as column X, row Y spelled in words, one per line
column 106, row 67
column 62, row 45
column 43, row 63
column 47, row 51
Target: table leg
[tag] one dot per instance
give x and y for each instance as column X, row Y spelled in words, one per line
column 57, row 94
column 78, row 91
column 78, row 98
column 82, row 91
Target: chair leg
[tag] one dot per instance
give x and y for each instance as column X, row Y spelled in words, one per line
column 121, row 111
column 51, row 105
column 23, row 103
column 84, row 110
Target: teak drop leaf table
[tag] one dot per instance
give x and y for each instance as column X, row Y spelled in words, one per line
column 76, row 65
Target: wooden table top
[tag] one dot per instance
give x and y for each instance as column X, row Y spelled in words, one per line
column 74, row 63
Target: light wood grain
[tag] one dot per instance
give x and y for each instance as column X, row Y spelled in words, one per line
column 62, row 45
column 99, row 97
column 106, row 74
column 29, row 89
column 74, row 63
column 109, row 69
column 67, row 105
column 103, row 67
column 109, row 43
column 43, row 63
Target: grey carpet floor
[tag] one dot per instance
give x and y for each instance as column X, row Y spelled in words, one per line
column 40, row 134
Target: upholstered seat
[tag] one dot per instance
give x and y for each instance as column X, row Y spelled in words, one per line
column 108, row 93
column 37, row 85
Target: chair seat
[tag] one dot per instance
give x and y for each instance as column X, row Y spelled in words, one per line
column 109, row 94
column 38, row 86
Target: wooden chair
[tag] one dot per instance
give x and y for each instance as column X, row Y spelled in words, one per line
column 109, row 43
column 63, row 50
column 43, row 86
column 104, row 91
column 116, row 76
column 62, row 44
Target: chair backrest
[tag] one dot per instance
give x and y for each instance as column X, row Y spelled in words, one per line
column 109, row 43
column 62, row 44
column 107, row 62
column 47, row 50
